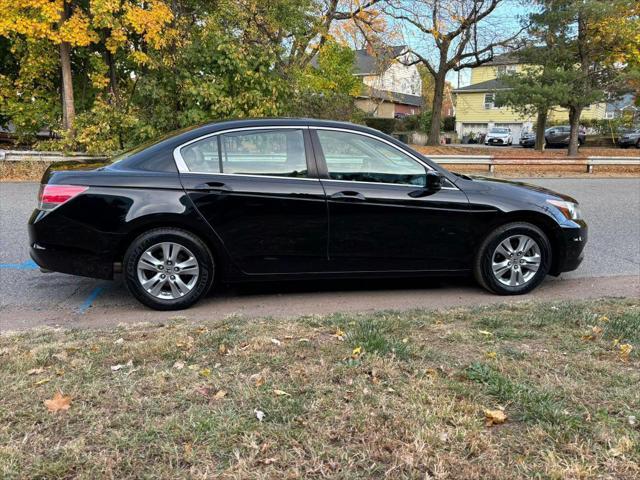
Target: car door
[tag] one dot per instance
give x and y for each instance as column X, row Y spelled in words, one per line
column 380, row 218
column 258, row 189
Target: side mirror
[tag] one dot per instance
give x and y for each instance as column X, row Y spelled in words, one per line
column 432, row 184
column 434, row 181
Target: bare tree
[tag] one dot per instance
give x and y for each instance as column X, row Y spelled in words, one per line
column 453, row 35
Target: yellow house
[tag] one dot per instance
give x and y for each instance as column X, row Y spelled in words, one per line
column 476, row 111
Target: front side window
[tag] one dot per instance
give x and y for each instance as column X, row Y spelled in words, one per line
column 264, row 152
column 359, row 158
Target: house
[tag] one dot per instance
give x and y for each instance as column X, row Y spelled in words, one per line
column 390, row 87
column 622, row 106
column 477, row 110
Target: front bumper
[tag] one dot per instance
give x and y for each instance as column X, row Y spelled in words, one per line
column 626, row 142
column 495, row 141
column 573, row 240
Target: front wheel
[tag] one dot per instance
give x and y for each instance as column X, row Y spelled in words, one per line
column 513, row 259
column 168, row 269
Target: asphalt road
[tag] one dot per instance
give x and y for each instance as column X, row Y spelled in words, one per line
column 30, row 298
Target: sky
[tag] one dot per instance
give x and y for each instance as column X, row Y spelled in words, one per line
column 505, row 21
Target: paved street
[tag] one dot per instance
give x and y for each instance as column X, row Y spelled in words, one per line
column 30, row 298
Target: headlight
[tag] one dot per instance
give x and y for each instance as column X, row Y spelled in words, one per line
column 569, row 209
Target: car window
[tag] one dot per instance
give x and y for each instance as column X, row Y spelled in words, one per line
column 359, row 158
column 264, row 152
column 202, row 156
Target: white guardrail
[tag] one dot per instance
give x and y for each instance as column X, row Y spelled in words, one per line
column 490, row 161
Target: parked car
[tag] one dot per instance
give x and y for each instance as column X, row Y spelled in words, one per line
column 528, row 139
column 498, row 136
column 629, row 139
column 293, row 199
column 559, row 136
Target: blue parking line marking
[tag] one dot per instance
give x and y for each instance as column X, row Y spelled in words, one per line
column 90, row 299
column 28, row 265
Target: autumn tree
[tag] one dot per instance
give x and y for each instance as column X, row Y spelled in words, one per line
column 596, row 44
column 453, row 35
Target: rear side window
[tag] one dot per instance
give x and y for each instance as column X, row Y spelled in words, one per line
column 264, row 152
column 202, row 156
column 359, row 158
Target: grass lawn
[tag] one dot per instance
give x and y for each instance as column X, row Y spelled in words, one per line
column 414, row 395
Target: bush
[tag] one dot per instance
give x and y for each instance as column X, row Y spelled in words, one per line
column 385, row 125
column 449, row 124
column 408, row 123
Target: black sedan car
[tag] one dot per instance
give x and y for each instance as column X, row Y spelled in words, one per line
column 630, row 139
column 293, row 199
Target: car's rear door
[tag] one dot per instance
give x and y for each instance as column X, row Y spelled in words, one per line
column 259, row 191
column 380, row 218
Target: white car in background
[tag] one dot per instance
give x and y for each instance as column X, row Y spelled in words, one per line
column 498, row 136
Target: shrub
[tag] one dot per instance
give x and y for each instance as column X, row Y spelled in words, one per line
column 449, row 124
column 385, row 125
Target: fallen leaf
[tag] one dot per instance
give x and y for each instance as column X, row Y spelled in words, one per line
column 275, row 341
column 491, row 355
column 595, row 333
column 484, row 332
column 268, row 461
column 42, row 382
column 58, row 402
column 205, row 372
column 304, row 340
column 339, row 334
column 220, row 394
column 625, row 351
column 35, row 371
column 281, row 393
column 179, row 365
column 222, row 349
column 119, row 341
column 494, row 417
column 259, row 414
column 356, row 352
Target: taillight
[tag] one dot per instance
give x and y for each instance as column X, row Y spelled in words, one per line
column 52, row 196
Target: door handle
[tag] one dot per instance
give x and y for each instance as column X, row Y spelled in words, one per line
column 213, row 187
column 349, row 196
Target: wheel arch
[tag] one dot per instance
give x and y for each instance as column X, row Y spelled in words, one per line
column 540, row 220
column 201, row 230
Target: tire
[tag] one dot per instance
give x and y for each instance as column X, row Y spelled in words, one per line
column 488, row 253
column 178, row 290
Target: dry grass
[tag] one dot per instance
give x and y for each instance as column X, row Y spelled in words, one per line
column 26, row 171
column 411, row 405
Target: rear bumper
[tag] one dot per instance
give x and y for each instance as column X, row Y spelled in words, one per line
column 62, row 245
column 574, row 240
column 72, row 262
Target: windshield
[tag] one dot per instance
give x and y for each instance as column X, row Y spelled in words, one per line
column 499, row 130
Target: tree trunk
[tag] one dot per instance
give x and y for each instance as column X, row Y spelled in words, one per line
column 541, row 123
column 436, row 108
column 113, row 79
column 574, row 122
column 68, row 106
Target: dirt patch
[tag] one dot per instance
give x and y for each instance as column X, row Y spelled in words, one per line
column 510, row 152
column 26, row 171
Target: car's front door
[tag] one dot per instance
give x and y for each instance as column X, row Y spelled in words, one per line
column 259, row 191
column 380, row 218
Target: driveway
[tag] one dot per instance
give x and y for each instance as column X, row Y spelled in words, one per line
column 29, row 298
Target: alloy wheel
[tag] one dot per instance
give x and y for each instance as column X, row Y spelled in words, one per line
column 516, row 260
column 168, row 270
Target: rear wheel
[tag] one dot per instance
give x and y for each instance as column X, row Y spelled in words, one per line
column 168, row 269
column 513, row 259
